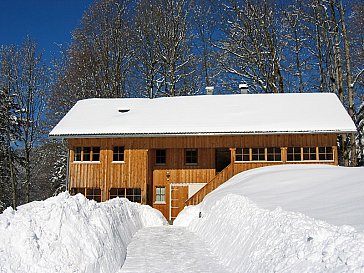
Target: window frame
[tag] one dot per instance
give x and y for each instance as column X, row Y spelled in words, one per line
column 79, row 151
column 160, row 157
column 309, row 152
column 243, row 154
column 319, row 153
column 86, row 192
column 187, row 150
column 161, row 194
column 294, row 153
column 118, row 153
column 129, row 193
column 277, row 152
column 260, row 153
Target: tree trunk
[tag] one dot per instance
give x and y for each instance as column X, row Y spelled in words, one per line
column 351, row 110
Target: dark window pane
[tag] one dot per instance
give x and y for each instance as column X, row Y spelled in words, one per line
column 294, row 154
column 274, row 154
column 113, row 191
column 238, row 154
column 86, row 153
column 97, row 198
column 96, row 154
column 89, row 191
column 161, row 156
column 258, row 154
column 191, row 156
column 326, row 153
column 74, row 191
column 77, row 154
column 309, row 153
column 129, row 192
column 118, row 154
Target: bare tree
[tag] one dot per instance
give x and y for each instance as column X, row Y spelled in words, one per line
column 252, row 47
column 31, row 83
column 9, row 128
column 164, row 41
column 99, row 59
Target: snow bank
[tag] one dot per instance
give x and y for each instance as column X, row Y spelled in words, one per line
column 71, row 234
column 271, row 220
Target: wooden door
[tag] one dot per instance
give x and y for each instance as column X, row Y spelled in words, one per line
column 222, row 158
column 179, row 194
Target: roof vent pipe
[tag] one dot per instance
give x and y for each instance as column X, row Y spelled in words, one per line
column 209, row 90
column 243, row 87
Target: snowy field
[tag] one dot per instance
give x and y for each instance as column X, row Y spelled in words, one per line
column 71, row 234
column 291, row 218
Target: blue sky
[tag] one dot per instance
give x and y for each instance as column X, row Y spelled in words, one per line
column 49, row 22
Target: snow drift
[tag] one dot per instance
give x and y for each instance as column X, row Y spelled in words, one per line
column 292, row 218
column 71, row 234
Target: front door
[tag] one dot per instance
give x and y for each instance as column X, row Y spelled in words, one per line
column 179, row 194
column 222, row 158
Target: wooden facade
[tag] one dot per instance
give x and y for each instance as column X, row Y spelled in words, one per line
column 169, row 185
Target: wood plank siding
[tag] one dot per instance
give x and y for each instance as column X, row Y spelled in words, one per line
column 139, row 168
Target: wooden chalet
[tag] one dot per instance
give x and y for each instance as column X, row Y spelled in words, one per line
column 169, row 152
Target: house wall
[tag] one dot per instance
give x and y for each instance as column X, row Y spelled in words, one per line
column 139, row 169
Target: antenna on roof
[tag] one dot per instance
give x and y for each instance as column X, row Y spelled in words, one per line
column 243, row 87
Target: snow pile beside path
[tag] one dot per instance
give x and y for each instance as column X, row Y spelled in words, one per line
column 71, row 234
column 253, row 223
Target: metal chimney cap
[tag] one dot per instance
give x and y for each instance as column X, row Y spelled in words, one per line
column 243, row 86
column 209, row 90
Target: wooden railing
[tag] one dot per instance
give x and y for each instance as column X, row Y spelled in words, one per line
column 219, row 179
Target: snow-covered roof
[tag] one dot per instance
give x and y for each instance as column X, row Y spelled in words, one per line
column 206, row 115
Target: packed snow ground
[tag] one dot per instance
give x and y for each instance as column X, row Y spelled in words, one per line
column 71, row 234
column 291, row 218
column 169, row 249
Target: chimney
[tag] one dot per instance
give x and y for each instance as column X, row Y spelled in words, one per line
column 243, row 87
column 209, row 90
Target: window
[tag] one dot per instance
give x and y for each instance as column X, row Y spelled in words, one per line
column 191, row 157
column 326, row 153
column 294, row 154
column 242, row 154
column 160, row 157
column 274, row 154
column 117, row 192
column 160, row 194
column 78, row 151
column 309, row 153
column 93, row 194
column 95, row 153
column 133, row 194
column 258, row 154
column 118, row 154
column 89, row 193
column 74, row 191
column 87, row 154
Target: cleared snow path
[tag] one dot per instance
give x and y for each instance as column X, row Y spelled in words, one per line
column 169, row 249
